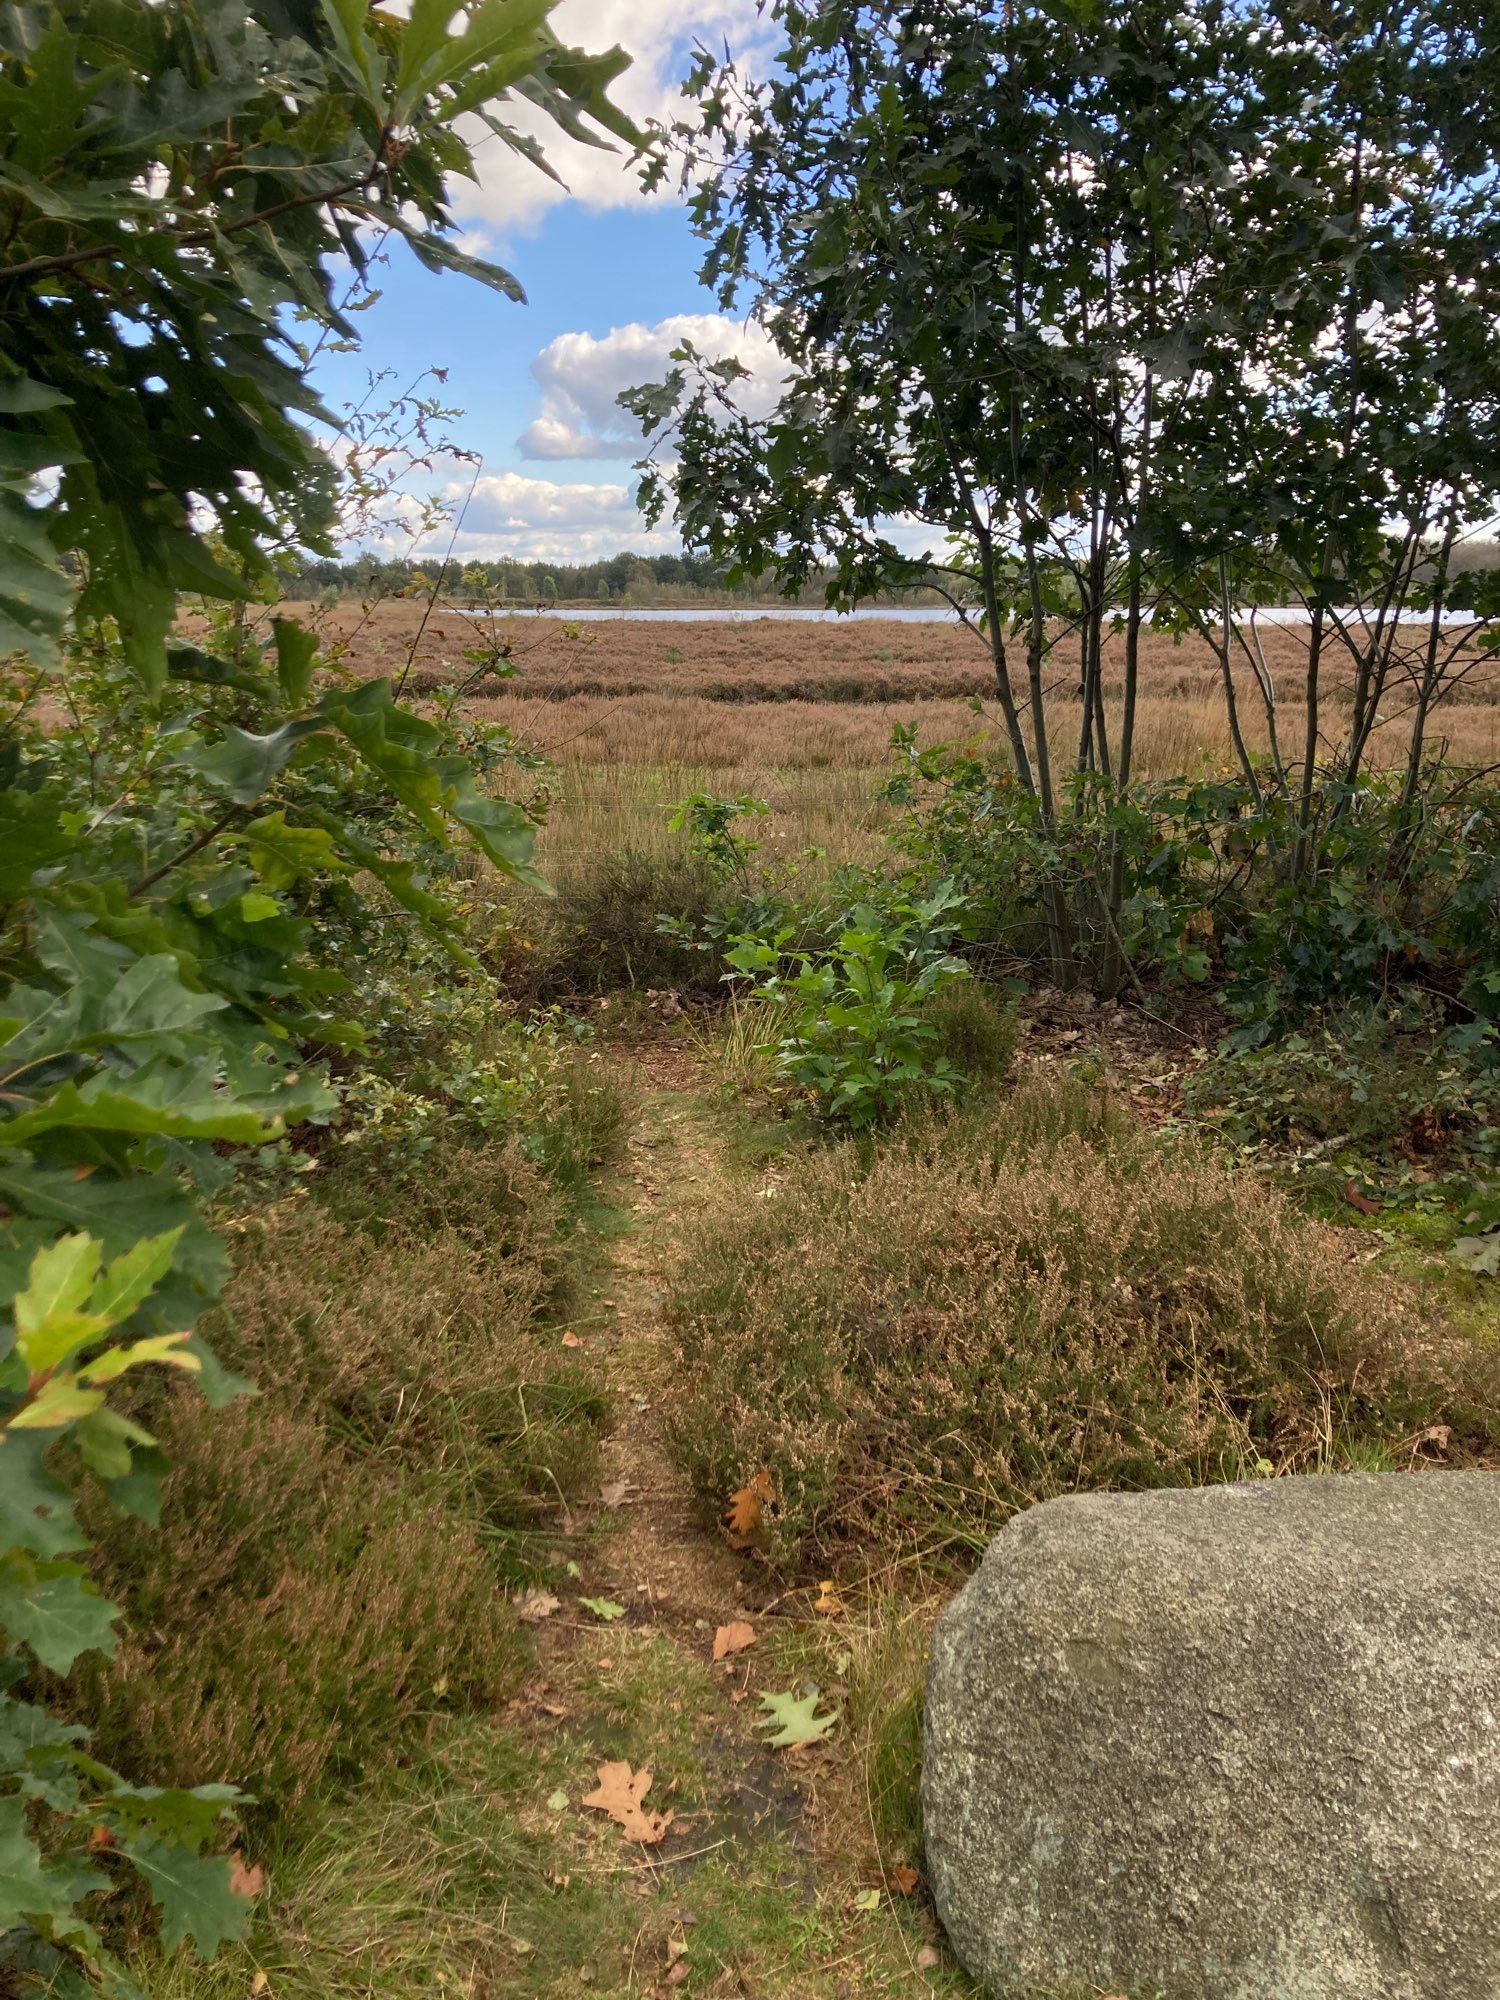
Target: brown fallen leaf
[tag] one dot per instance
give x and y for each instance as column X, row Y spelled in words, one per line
column 747, row 1507
column 1361, row 1201
column 618, row 1492
column 245, row 1881
column 619, row 1793
column 570, row 1339
column 678, row 1972
column 535, row 1604
column 903, row 1879
column 733, row 1638
column 260, row 1983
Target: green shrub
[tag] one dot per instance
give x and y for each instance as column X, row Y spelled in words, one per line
column 1370, row 1084
column 975, row 1030
column 994, row 1310
column 600, row 932
column 856, row 1034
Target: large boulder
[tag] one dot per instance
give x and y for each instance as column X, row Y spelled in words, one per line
column 1234, row 1743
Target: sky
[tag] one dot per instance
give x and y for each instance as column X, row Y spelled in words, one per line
column 611, row 285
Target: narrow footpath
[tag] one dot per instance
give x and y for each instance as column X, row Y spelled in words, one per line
column 738, row 1869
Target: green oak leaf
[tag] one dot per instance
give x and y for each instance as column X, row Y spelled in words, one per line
column 192, row 1892
column 795, row 1721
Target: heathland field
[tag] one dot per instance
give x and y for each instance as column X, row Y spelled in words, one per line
column 635, row 714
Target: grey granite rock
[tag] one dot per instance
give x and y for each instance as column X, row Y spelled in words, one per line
column 1235, row 1743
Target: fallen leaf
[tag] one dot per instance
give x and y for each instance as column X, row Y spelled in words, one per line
column 828, row 1603
column 535, row 1604
column 678, row 1972
column 928, row 1957
column 746, row 1509
column 556, row 1800
column 259, row 1983
column 1360, row 1201
column 794, row 1722
column 570, row 1339
column 619, row 1793
column 617, row 1492
column 245, row 1881
column 903, row 1878
column 733, row 1638
column 867, row 1899
column 675, row 1948
column 603, row 1607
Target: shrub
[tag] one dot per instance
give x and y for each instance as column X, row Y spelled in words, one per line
column 974, row 1029
column 299, row 1615
column 600, row 931
column 989, row 1312
column 1371, row 1083
column 325, row 1576
column 856, row 1035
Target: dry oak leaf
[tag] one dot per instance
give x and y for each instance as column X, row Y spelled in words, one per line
column 733, row 1638
column 1361, row 1201
column 746, row 1509
column 535, row 1604
column 903, row 1878
column 570, row 1339
column 619, row 1793
column 245, row 1881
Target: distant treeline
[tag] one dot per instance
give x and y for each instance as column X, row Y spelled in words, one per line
column 623, row 579
column 627, row 579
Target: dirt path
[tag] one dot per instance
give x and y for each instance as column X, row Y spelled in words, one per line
column 767, row 1883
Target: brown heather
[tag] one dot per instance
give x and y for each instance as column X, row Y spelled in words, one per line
column 325, row 1580
column 1032, row 1299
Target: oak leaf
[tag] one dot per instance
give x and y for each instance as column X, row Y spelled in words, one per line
column 245, row 1881
column 620, row 1793
column 733, row 1638
column 535, row 1604
column 794, row 1722
column 747, row 1507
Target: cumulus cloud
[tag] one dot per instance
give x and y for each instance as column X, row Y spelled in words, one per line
column 581, row 376
column 546, row 520
column 659, row 36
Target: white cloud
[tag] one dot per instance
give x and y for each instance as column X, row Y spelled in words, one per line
column 581, row 376
column 659, row 36
column 546, row 520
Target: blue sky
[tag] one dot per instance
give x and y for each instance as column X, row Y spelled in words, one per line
column 609, row 276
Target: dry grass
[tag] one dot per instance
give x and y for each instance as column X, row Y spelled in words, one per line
column 1033, row 1299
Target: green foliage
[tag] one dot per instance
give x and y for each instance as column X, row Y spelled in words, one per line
column 857, row 1037
column 1376, row 1093
column 1145, row 315
column 975, row 1030
column 1219, row 883
column 183, row 863
column 709, row 823
column 990, row 1310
